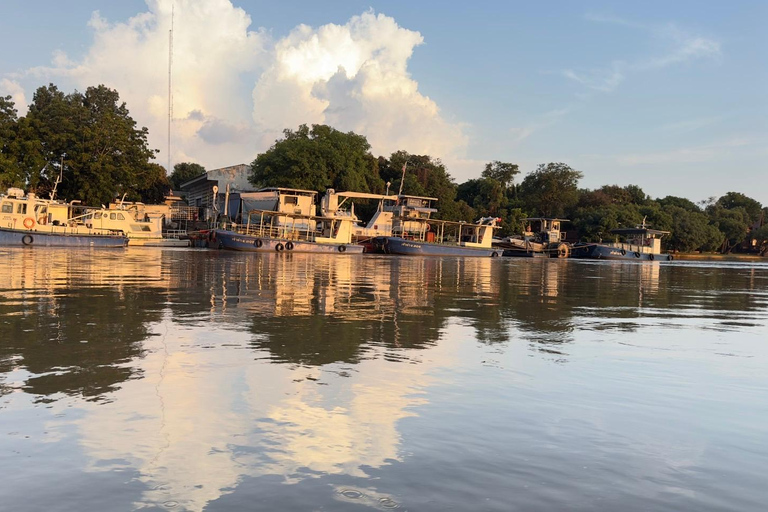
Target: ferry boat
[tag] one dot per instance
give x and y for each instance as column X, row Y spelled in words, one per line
column 288, row 227
column 642, row 244
column 396, row 215
column 141, row 229
column 445, row 238
column 541, row 238
column 27, row 220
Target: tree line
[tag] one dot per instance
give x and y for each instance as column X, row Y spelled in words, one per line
column 92, row 145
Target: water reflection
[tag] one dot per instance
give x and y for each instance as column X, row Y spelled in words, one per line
column 202, row 372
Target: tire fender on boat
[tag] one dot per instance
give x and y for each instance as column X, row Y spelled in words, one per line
column 494, row 254
column 258, row 243
column 623, row 252
column 279, row 247
column 342, row 248
column 637, row 254
column 27, row 239
column 651, row 257
column 29, row 223
column 289, row 246
column 669, row 257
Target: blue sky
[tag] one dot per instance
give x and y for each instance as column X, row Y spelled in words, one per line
column 672, row 96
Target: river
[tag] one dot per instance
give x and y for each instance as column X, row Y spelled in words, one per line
column 204, row 380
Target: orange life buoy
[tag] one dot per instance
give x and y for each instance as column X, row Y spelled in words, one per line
column 29, row 223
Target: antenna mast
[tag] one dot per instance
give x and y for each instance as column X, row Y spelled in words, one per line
column 170, row 91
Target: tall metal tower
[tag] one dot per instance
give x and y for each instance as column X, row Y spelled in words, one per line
column 170, row 90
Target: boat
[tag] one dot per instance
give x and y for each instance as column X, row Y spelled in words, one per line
column 641, row 244
column 141, row 228
column 541, row 238
column 28, row 220
column 445, row 238
column 396, row 215
column 288, row 227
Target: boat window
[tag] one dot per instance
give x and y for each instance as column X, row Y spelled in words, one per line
column 21, row 208
column 112, row 216
column 7, row 208
column 120, row 216
column 291, row 200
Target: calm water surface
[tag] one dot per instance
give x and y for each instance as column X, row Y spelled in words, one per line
column 203, row 380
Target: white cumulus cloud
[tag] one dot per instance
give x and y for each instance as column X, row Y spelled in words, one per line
column 236, row 88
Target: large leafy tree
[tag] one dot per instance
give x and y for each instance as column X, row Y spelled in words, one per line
column 185, row 171
column 318, row 158
column 551, row 190
column 502, row 172
column 88, row 139
column 9, row 174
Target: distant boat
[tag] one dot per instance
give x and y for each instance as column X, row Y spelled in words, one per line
column 542, row 238
column 445, row 238
column 287, row 228
column 32, row 221
column 642, row 244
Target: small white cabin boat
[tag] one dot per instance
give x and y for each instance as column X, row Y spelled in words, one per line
column 28, row 220
column 140, row 228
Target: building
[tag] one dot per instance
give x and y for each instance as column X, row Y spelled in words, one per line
column 199, row 191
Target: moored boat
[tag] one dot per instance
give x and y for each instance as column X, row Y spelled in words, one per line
column 27, row 220
column 280, row 230
column 641, row 244
column 445, row 238
column 541, row 238
column 141, row 229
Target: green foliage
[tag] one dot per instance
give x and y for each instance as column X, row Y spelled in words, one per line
column 551, row 189
column 316, row 159
column 9, row 175
column 502, row 172
column 185, row 171
column 104, row 153
column 691, row 231
column 733, row 224
column 735, row 200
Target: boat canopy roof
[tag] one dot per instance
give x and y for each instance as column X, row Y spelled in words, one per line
column 288, row 190
column 405, row 196
column 638, row 231
column 545, row 218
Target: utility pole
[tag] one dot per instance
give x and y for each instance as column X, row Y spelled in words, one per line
column 170, row 90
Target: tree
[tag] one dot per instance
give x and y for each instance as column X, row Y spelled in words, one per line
column 104, row 154
column 733, row 200
column 316, row 159
column 9, row 175
column 551, row 189
column 153, row 185
column 503, row 172
column 733, row 224
column 185, row 171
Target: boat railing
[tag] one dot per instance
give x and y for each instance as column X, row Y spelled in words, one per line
column 175, row 233
column 75, row 229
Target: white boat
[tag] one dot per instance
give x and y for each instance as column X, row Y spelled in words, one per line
column 141, row 228
column 28, row 220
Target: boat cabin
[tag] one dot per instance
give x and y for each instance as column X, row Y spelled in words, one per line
column 129, row 220
column 290, row 201
column 543, row 229
column 641, row 240
column 479, row 234
column 19, row 211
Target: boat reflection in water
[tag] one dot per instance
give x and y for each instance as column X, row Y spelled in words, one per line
column 207, row 380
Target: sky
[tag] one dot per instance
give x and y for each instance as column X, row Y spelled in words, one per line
column 670, row 96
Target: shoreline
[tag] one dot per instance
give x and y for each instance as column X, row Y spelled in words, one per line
column 695, row 256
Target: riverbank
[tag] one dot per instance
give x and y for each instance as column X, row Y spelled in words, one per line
column 696, row 256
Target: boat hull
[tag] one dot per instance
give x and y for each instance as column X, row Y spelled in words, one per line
column 26, row 238
column 158, row 242
column 237, row 242
column 605, row 252
column 401, row 246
